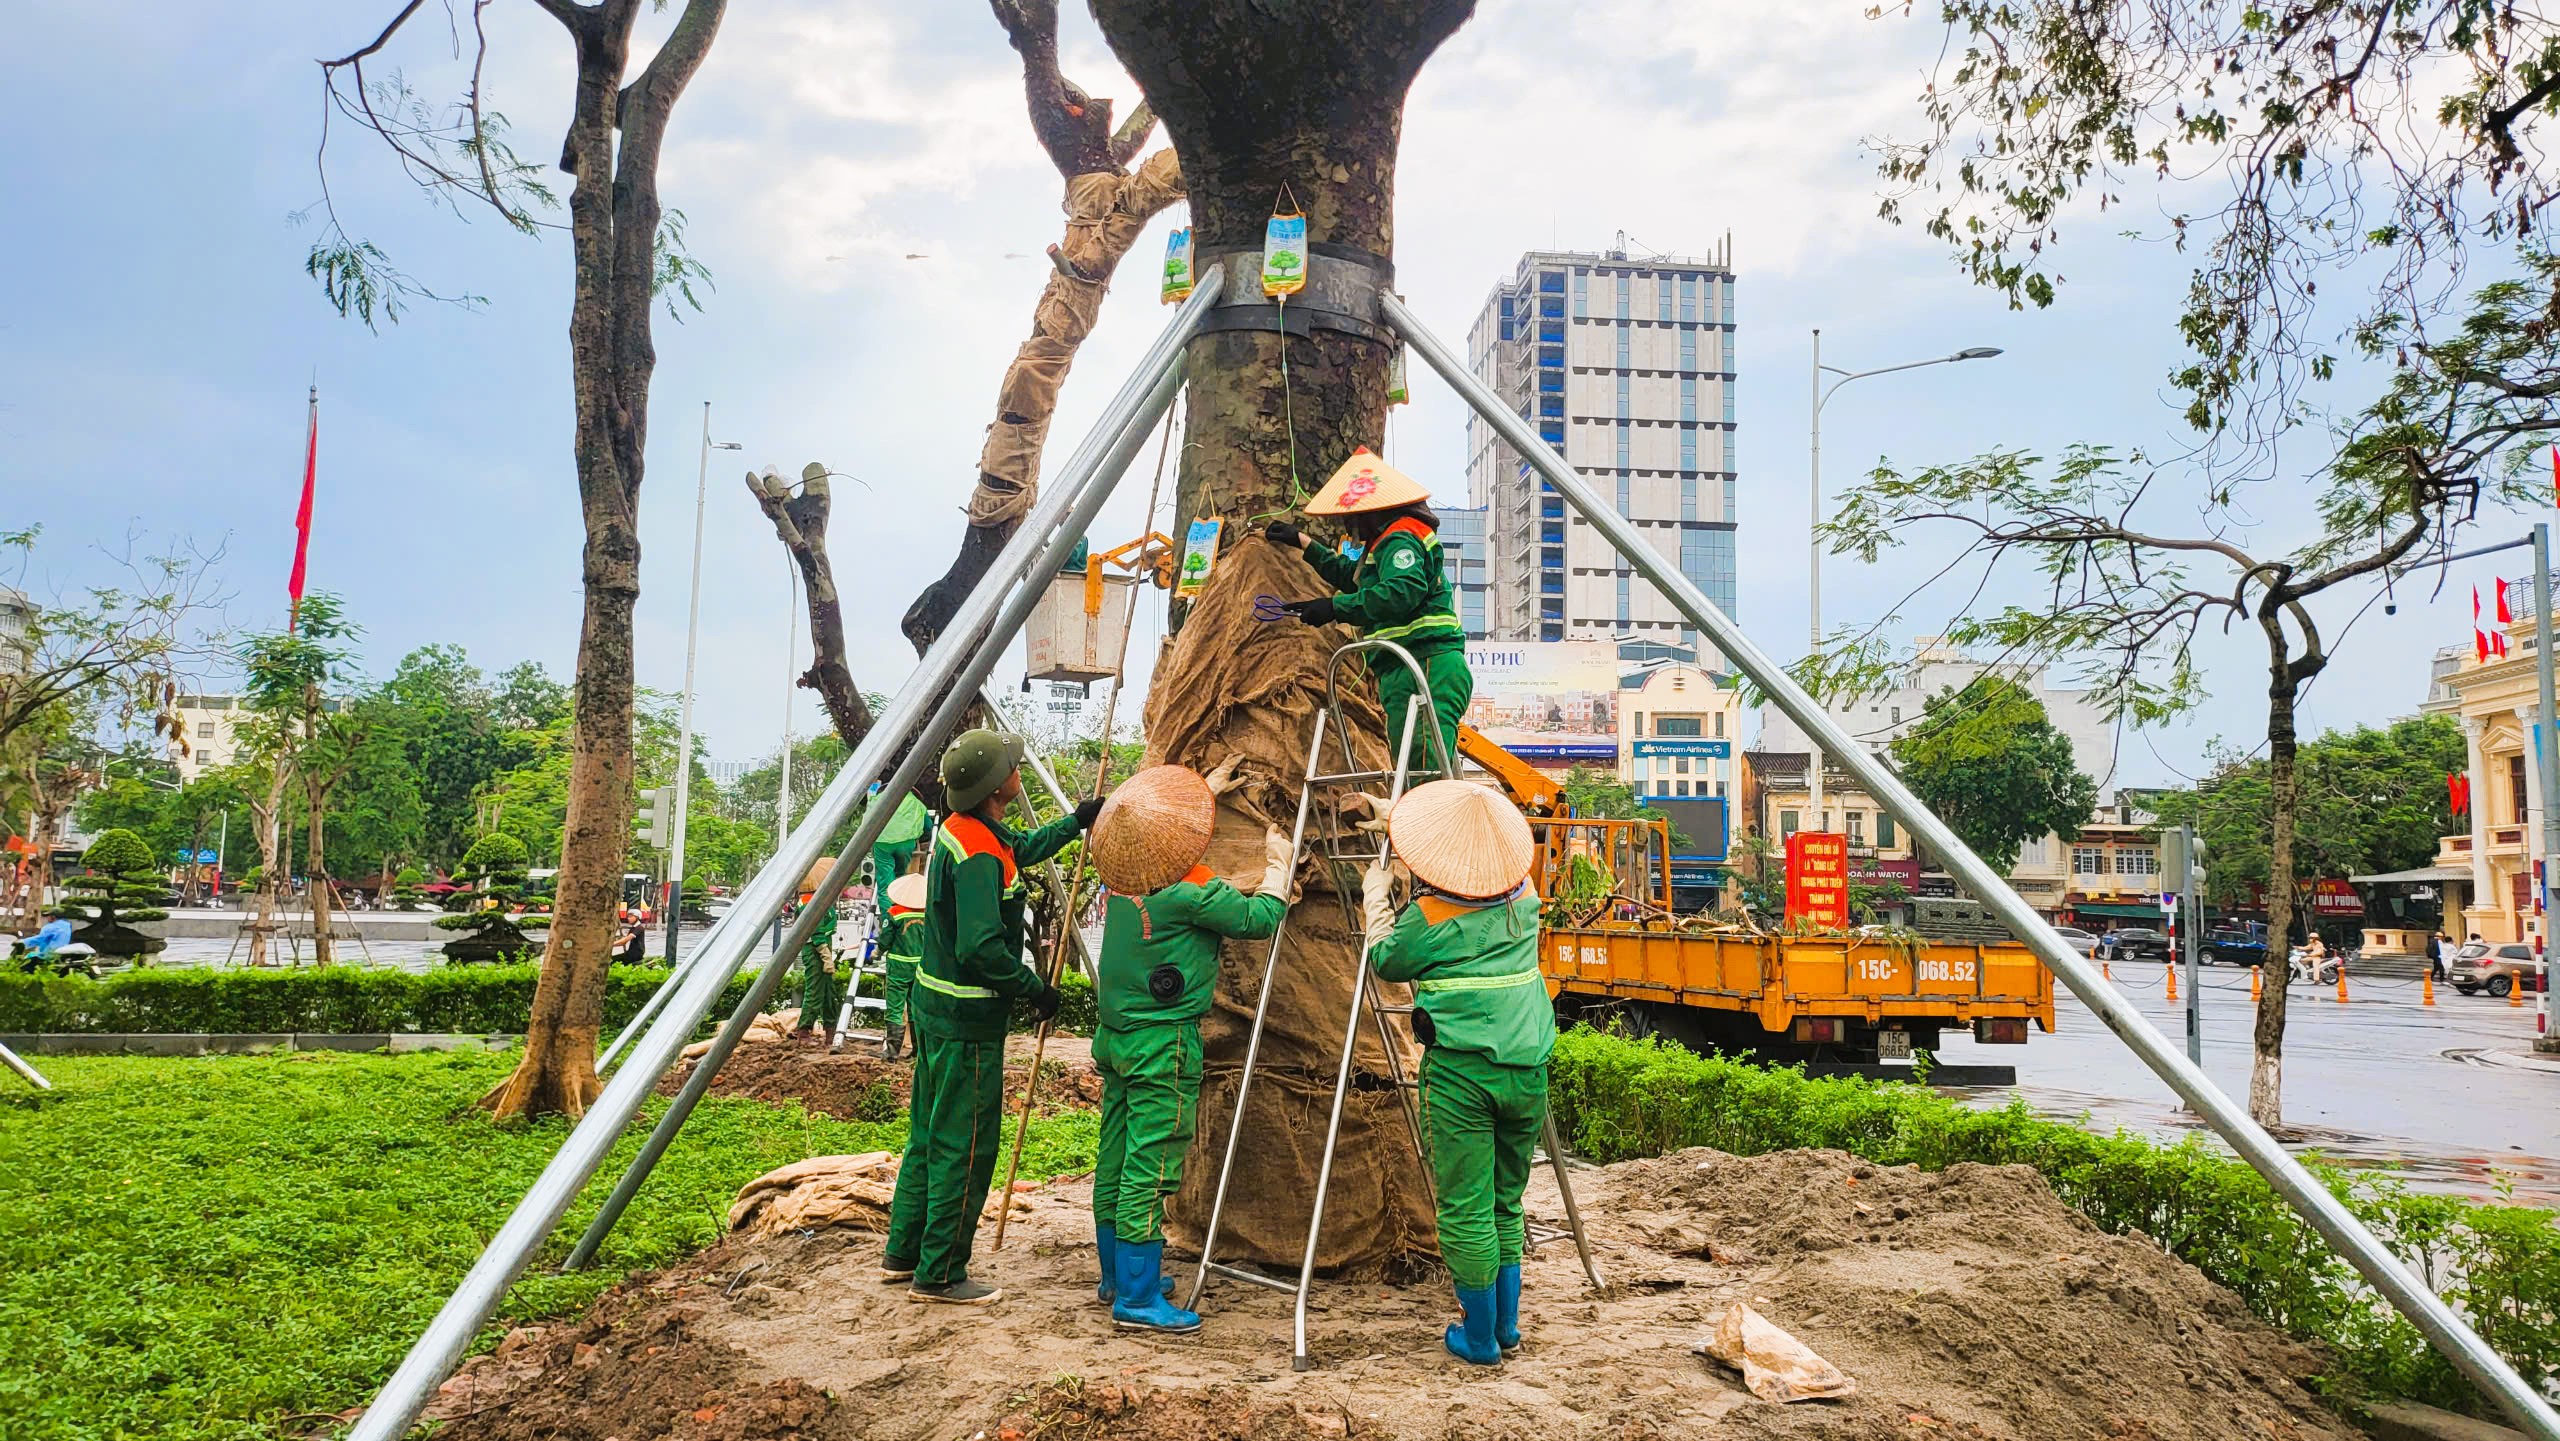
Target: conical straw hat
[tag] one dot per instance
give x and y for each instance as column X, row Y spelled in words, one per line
column 1366, row 483
column 907, row 893
column 1461, row 838
column 817, row 873
column 1153, row 830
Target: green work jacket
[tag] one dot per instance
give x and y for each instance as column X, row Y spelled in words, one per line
column 1474, row 968
column 820, row 940
column 903, row 936
column 906, row 824
column 1397, row 590
column 1175, row 930
column 974, row 894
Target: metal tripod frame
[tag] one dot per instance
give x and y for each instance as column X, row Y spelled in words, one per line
column 34, row 1077
column 1419, row 715
column 951, row 670
column 2445, row 1330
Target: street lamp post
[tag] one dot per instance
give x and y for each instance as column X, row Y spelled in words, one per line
column 1821, row 397
column 790, row 691
column 684, row 726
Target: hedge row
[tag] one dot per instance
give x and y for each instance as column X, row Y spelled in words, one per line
column 345, row 1000
column 2498, row 1265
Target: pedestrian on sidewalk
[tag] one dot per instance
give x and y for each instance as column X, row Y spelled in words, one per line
column 1468, row 941
column 965, row 988
column 1166, row 914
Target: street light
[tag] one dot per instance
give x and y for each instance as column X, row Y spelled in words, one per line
column 1821, row 398
column 684, row 726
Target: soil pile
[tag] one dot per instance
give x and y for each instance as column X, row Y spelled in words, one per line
column 1972, row 1304
column 856, row 1084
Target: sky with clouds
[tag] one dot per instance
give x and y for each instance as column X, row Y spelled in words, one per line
column 861, row 180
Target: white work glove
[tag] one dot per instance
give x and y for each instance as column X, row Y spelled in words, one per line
column 1277, row 863
column 1377, row 902
column 1380, row 809
column 1223, row 778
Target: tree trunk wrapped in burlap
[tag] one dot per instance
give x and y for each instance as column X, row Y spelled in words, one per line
column 1230, row 685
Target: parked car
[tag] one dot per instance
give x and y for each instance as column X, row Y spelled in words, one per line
column 2231, row 946
column 2078, row 939
column 2496, row 968
column 2137, row 943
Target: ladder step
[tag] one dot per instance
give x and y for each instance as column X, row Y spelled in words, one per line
column 1394, row 1008
column 1238, row 1273
column 1541, row 1234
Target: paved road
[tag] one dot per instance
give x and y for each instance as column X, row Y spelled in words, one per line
column 2449, row 1096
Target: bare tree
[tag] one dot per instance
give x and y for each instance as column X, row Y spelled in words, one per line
column 626, row 253
column 2127, row 597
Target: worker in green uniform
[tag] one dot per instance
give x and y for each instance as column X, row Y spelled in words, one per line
column 901, row 947
column 821, row 982
column 966, row 985
column 1163, row 922
column 1397, row 589
column 893, row 854
column 1468, row 942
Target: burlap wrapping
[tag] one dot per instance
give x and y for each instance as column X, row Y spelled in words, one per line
column 1106, row 213
column 1230, row 685
column 819, row 1192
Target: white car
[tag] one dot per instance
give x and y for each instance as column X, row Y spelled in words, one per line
column 2078, row 939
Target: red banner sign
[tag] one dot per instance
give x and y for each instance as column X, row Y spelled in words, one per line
column 2335, row 898
column 1818, row 879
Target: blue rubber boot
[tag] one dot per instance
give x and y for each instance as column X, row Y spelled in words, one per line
column 1106, row 1244
column 1141, row 1273
column 1506, row 1308
column 1471, row 1340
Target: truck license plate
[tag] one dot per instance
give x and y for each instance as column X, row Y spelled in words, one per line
column 1893, row 1045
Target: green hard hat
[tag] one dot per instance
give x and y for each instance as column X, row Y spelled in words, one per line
column 977, row 763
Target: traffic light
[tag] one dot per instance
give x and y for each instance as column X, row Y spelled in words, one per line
column 657, row 816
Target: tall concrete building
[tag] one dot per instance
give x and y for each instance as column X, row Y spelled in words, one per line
column 1627, row 364
column 1462, row 548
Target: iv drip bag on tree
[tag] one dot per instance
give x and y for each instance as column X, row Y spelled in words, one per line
column 1284, row 254
column 1177, row 265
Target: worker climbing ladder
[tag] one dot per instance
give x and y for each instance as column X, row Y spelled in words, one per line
column 868, row 961
column 1348, row 852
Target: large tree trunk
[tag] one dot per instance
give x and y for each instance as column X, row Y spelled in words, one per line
column 613, row 221
column 2266, row 1066
column 1255, row 99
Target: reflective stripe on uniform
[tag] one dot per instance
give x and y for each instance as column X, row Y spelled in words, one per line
column 1440, row 623
column 939, row 986
column 1480, row 983
column 1436, row 623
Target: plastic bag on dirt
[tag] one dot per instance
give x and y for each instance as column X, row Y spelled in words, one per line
column 1775, row 1365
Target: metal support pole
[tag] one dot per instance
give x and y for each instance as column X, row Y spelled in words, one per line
column 2447, row 1332
column 2190, row 938
column 684, row 722
column 966, row 690
column 10, row 1059
column 2546, row 740
column 1813, row 583
column 943, row 671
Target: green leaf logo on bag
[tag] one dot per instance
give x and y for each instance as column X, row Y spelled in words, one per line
column 1284, row 255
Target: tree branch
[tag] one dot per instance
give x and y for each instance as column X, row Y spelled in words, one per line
column 800, row 523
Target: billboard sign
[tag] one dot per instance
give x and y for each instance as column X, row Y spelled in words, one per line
column 1818, row 879
column 1549, row 702
column 1682, row 746
column 2333, row 897
column 1699, row 830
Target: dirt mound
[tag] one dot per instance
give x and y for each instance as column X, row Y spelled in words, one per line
column 1967, row 1305
column 856, row 1084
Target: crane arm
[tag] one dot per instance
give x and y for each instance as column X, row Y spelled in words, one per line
column 1531, row 789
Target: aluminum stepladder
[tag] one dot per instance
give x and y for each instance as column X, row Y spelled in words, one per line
column 868, row 960
column 1344, row 853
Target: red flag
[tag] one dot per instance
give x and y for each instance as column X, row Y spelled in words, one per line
column 2555, row 471
column 2479, row 637
column 2498, row 644
column 2457, row 793
column 2505, row 616
column 302, row 516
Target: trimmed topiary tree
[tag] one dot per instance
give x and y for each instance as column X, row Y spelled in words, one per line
column 405, row 895
column 122, row 886
column 494, row 869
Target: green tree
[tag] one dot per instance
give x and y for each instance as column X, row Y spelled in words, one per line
column 121, row 888
column 1599, row 795
column 1986, row 759
column 302, row 724
column 1755, row 875
column 494, row 868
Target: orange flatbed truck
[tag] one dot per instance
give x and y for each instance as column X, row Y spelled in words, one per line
column 1857, row 1004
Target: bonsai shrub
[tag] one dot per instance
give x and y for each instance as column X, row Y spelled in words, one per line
column 405, row 895
column 121, row 887
column 494, row 870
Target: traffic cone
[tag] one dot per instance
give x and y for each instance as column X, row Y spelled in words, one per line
column 2427, row 986
column 2171, row 970
column 2257, row 981
column 2342, row 983
column 2106, row 968
column 2515, row 994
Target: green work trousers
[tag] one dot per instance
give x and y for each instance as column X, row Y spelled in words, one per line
column 1452, row 686
column 1150, row 1108
column 821, row 994
column 1481, row 1120
column 955, row 1122
column 900, row 981
column 888, row 862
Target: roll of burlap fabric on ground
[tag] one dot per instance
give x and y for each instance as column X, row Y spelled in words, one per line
column 1231, row 685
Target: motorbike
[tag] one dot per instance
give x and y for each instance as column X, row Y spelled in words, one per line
column 2300, row 968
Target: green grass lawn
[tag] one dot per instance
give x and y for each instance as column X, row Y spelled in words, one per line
column 197, row 1248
